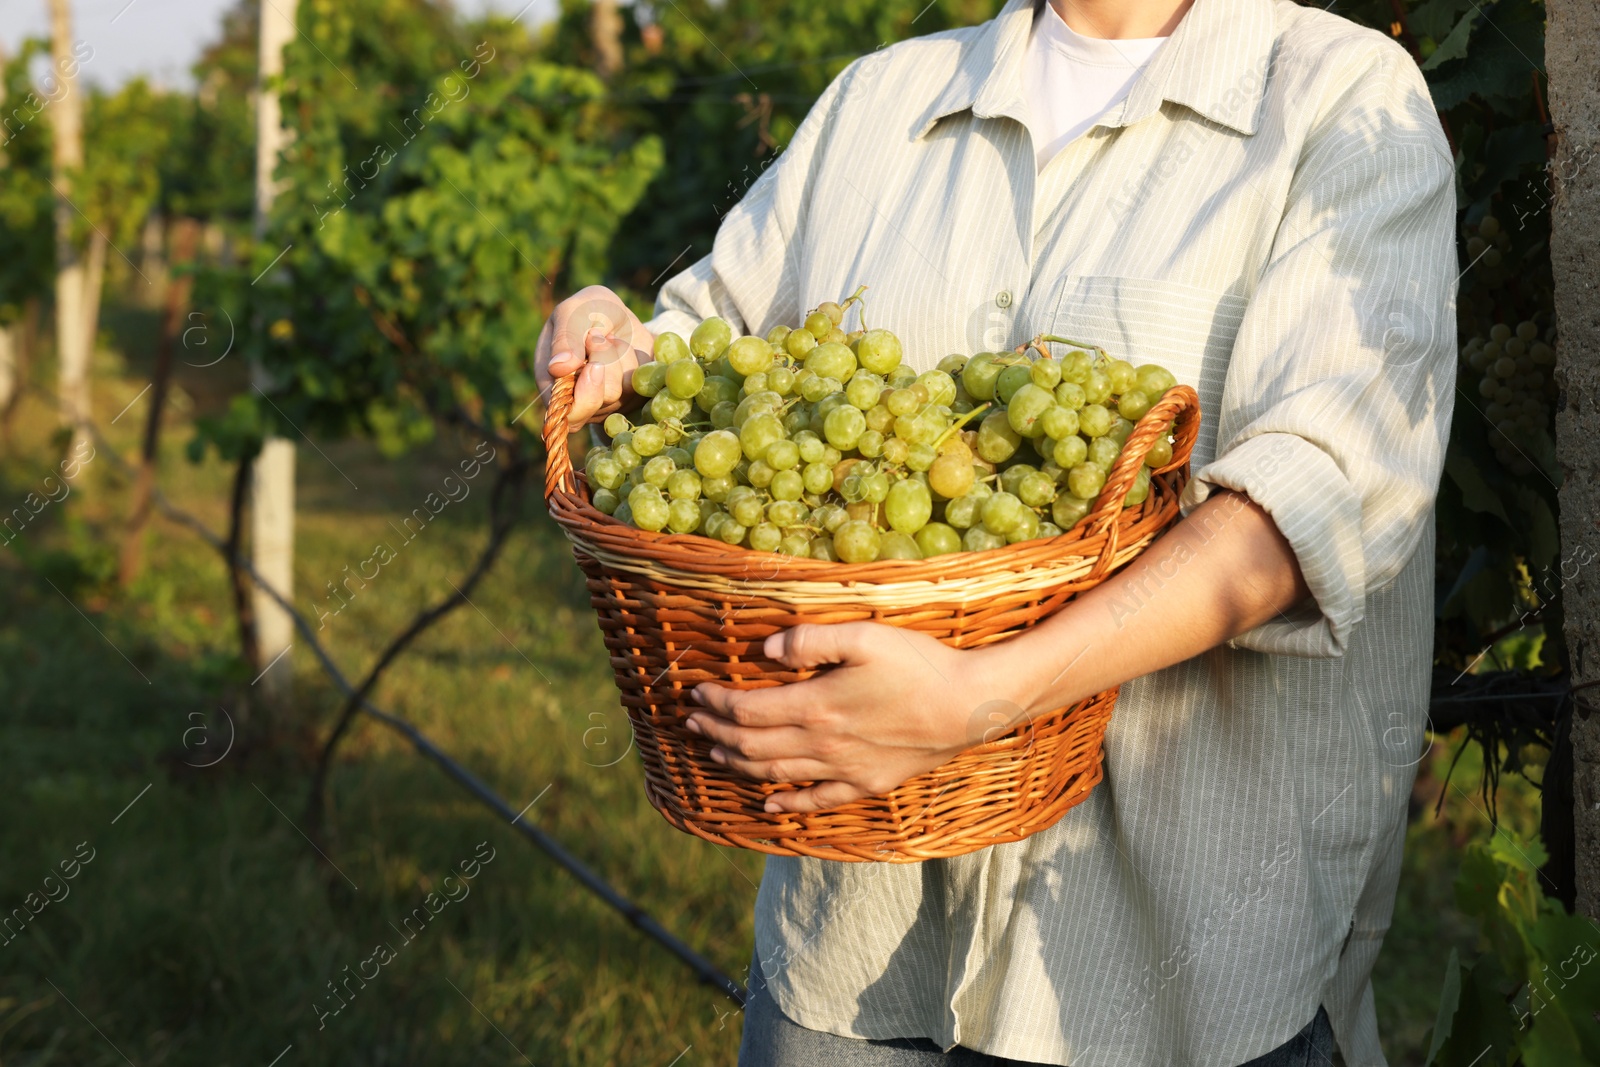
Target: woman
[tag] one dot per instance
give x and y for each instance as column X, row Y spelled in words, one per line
column 1259, row 197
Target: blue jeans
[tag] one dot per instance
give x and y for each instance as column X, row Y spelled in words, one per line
column 772, row 1039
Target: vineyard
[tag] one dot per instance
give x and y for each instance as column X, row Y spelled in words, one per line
column 279, row 581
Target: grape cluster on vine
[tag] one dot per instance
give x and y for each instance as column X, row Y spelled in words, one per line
column 815, row 442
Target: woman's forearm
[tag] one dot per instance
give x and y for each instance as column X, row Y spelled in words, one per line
column 1223, row 570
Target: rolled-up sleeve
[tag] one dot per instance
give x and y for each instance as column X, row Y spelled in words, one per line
column 1338, row 398
column 751, row 277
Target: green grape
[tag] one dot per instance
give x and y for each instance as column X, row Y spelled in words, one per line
column 658, row 470
column 1048, row 529
column 815, row 388
column 870, row 444
column 731, row 532
column 685, row 378
column 649, row 509
column 1070, row 395
column 765, row 537
column 716, row 487
column 1003, row 513
column 606, row 500
column 1069, row 509
column 1103, row 452
column 1160, row 454
column 754, row 383
column 896, row 450
column 1094, row 421
column 962, row 512
column 979, row 374
column 1097, row 388
column 1139, row 490
column 952, row 474
column 747, row 510
column 1133, row 404
column 623, row 513
column 902, row 402
column 649, row 439
column 1011, row 379
column 796, row 419
column 1153, row 380
column 844, row 426
column 722, row 414
column 832, row 360
column 880, row 418
column 822, row 549
column 953, row 364
column 810, row 446
column 1058, row 422
column 604, row 471
column 921, row 457
column 616, row 425
column 1037, row 489
column 783, row 454
column 1012, row 477
column 664, row 407
column 979, row 539
column 1122, row 375
column 670, row 348
column 780, row 380
column 799, row 343
column 1025, row 530
column 684, row 484
column 863, row 389
column 786, row 513
column 765, row 402
column 830, row 517
column 1086, row 480
column 1076, row 367
column 1045, row 373
column 819, row 324
column 788, row 485
column 716, row 454
column 749, row 355
column 941, row 388
column 649, row 378
column 1500, row 332
column 937, row 539
column 683, row 516
column 681, row 457
column 896, row 545
column 879, row 351
column 710, row 338
column 777, row 335
column 997, row 441
column 626, row 457
column 758, row 432
column 830, row 455
column 1027, row 406
column 856, row 542
column 760, row 475
column 1504, row 367
column 908, row 506
column 817, row 477
column 714, row 390
column 853, row 488
column 1121, row 430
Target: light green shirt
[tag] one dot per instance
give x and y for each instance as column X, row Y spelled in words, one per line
column 1269, row 213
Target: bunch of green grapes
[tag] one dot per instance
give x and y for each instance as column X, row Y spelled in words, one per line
column 812, row 441
column 1513, row 367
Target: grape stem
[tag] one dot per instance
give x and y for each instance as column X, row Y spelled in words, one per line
column 1040, row 341
column 857, row 298
column 962, row 421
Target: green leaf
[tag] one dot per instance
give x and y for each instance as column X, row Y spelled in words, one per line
column 1475, row 491
column 1449, row 1000
column 1563, row 993
column 1434, row 18
column 1482, row 1033
column 1454, row 46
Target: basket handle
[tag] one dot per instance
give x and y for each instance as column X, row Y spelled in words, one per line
column 1180, row 404
column 558, row 473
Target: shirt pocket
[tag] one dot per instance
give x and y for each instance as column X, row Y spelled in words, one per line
column 1188, row 330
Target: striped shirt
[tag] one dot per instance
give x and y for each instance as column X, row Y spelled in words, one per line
column 1269, row 213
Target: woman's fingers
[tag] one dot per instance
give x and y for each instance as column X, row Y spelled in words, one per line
column 816, row 798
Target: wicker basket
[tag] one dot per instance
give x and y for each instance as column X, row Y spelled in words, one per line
column 679, row 609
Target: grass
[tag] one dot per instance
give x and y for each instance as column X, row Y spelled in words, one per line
column 207, row 930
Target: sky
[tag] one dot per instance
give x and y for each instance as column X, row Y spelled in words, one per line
column 160, row 39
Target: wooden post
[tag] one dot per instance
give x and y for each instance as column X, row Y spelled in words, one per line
column 66, row 123
column 1572, row 41
column 272, row 485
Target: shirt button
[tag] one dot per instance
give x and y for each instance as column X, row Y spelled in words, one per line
column 1003, row 298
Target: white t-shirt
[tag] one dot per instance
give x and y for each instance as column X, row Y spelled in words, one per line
column 1070, row 80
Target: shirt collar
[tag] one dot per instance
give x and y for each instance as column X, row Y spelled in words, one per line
column 1215, row 64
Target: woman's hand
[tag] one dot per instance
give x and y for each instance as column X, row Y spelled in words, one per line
column 899, row 703
column 592, row 334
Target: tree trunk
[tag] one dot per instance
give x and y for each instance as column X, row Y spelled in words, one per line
column 153, row 257
column 185, row 232
column 66, row 118
column 8, row 363
column 25, row 340
column 1572, row 41
column 605, row 33
column 272, row 485
column 94, row 276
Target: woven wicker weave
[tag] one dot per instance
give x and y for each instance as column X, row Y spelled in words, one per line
column 679, row 609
